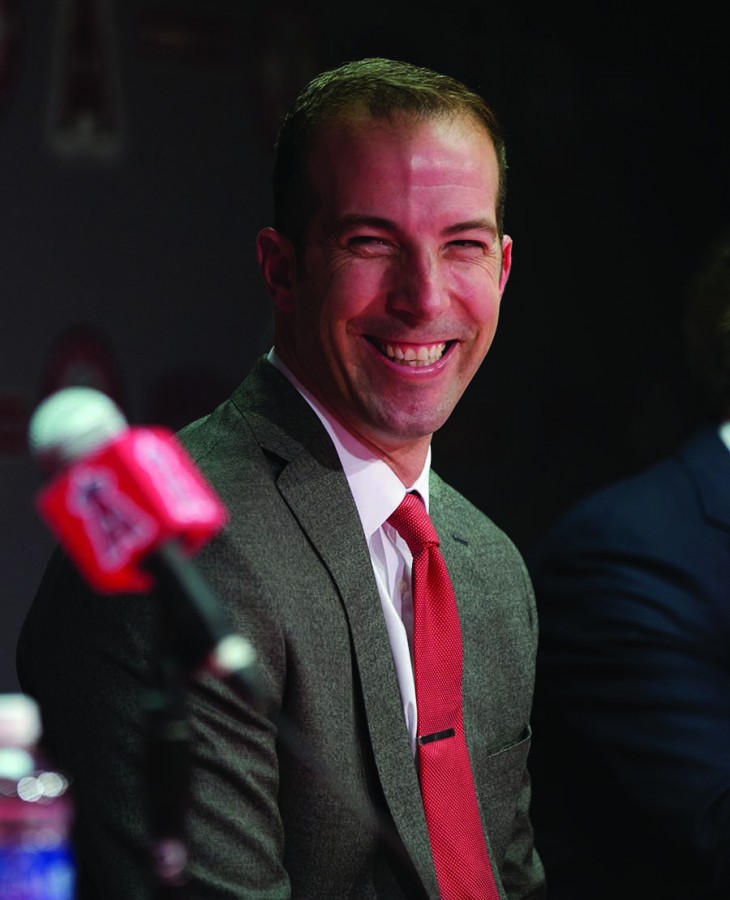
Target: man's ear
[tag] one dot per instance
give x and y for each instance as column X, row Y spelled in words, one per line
column 277, row 261
column 506, row 262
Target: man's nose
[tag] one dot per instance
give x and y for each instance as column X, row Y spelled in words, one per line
column 419, row 289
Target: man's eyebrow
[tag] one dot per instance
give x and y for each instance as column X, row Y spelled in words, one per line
column 471, row 225
column 358, row 221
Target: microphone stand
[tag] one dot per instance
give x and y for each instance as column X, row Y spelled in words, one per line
column 168, row 735
column 192, row 631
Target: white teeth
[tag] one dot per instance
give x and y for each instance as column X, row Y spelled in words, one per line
column 412, row 356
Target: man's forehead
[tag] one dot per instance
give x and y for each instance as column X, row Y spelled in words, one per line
column 372, row 139
column 361, row 120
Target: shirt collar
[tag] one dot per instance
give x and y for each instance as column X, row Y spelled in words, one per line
column 724, row 432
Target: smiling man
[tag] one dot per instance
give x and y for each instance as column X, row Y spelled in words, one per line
column 386, row 755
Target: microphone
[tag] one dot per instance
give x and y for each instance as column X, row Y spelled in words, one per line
column 130, row 507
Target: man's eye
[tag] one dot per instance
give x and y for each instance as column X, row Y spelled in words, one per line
column 366, row 239
column 476, row 245
column 365, row 243
column 466, row 249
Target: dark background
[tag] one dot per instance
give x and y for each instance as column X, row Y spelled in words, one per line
column 135, row 149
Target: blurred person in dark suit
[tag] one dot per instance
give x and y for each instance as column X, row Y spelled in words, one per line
column 631, row 750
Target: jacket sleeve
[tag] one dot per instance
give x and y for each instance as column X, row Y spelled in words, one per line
column 88, row 660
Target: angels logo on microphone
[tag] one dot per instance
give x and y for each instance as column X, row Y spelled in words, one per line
column 116, row 527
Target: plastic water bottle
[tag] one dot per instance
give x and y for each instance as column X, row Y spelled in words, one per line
column 36, row 810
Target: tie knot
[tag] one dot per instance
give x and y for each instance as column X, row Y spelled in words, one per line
column 413, row 523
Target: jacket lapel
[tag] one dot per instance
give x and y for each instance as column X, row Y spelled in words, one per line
column 315, row 488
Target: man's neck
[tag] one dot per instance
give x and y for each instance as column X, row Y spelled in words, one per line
column 407, row 461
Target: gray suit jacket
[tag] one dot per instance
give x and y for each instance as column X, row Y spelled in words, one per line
column 313, row 792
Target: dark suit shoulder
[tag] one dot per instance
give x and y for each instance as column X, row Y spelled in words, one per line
column 654, row 505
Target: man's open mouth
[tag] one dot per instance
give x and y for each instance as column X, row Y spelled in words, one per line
column 414, row 354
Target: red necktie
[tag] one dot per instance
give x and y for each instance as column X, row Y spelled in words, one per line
column 447, row 784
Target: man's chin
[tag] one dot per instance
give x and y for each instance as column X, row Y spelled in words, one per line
column 403, row 426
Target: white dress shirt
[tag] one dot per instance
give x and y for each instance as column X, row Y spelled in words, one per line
column 724, row 432
column 377, row 492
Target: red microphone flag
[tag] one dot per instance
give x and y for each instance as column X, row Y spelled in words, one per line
column 117, row 505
